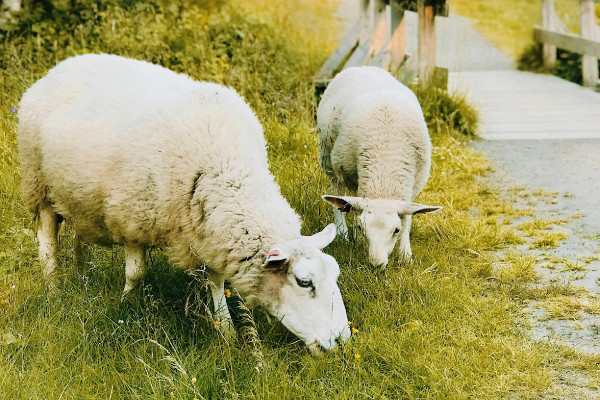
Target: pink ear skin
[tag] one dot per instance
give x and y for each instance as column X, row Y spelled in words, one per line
column 272, row 253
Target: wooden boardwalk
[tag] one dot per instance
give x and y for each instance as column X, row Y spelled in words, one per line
column 523, row 105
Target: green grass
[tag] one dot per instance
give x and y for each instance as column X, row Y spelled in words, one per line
column 449, row 325
column 509, row 23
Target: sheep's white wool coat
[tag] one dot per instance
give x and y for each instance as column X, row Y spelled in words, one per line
column 128, row 151
column 372, row 135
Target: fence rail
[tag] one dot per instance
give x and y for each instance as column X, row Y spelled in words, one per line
column 379, row 38
column 553, row 34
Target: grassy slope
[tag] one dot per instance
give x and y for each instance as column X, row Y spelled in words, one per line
column 509, row 23
column 445, row 326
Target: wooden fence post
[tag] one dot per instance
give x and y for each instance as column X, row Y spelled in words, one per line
column 378, row 25
column 589, row 64
column 398, row 34
column 426, row 40
column 549, row 50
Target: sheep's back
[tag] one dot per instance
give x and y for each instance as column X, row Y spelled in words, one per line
column 120, row 143
column 373, row 132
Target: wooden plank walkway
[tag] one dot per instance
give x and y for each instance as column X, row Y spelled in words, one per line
column 517, row 105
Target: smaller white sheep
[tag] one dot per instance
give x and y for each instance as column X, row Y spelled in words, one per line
column 373, row 141
column 131, row 153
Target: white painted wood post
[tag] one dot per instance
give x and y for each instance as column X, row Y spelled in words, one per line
column 589, row 64
column 379, row 26
column 398, row 34
column 549, row 50
column 426, row 41
column 365, row 21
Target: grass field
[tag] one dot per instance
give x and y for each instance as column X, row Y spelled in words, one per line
column 509, row 23
column 449, row 325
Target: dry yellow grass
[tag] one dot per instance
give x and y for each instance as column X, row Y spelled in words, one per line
column 509, row 23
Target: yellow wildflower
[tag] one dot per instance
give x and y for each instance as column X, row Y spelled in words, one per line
column 15, row 141
column 217, row 323
column 354, row 331
column 194, row 380
column 357, row 356
column 172, row 394
column 227, row 293
column 349, row 322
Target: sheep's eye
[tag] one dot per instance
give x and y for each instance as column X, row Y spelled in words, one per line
column 304, row 282
column 396, row 231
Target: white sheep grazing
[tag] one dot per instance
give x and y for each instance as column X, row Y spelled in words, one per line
column 373, row 140
column 129, row 152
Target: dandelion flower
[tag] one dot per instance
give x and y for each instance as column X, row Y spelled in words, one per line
column 227, row 293
column 349, row 322
column 357, row 356
column 15, row 141
column 172, row 394
column 217, row 323
column 354, row 331
column 194, row 380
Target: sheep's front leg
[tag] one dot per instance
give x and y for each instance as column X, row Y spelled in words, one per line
column 223, row 319
column 135, row 266
column 404, row 247
column 47, row 235
column 340, row 224
column 339, row 217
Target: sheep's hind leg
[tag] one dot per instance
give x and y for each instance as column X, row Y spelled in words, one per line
column 223, row 319
column 47, row 235
column 404, row 250
column 135, row 267
column 79, row 254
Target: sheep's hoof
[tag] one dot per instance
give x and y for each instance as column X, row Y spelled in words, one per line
column 406, row 257
column 343, row 233
column 126, row 291
column 52, row 283
column 226, row 329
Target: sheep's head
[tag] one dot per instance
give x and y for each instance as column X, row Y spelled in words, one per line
column 300, row 288
column 381, row 220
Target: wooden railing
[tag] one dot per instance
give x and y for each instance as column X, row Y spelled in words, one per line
column 554, row 34
column 379, row 38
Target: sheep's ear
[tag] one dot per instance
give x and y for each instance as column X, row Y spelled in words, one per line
column 323, row 238
column 346, row 203
column 406, row 208
column 276, row 259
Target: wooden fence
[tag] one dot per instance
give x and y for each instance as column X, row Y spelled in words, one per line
column 554, row 34
column 379, row 38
